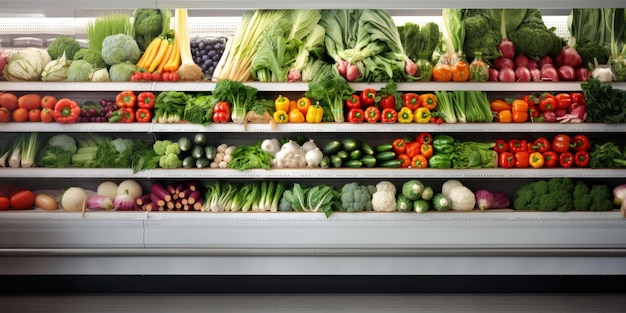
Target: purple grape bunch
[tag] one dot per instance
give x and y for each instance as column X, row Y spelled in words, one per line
column 96, row 112
column 206, row 52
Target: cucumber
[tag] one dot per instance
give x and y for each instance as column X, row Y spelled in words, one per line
column 350, row 144
column 202, row 163
column 325, row 163
column 209, row 152
column 189, row 162
column 336, row 161
column 367, row 149
column 197, row 151
column 343, row 154
column 353, row 163
column 368, row 160
column 383, row 148
column 200, row 139
column 184, row 144
column 356, row 154
column 331, row 147
column 390, row 163
column 385, row 156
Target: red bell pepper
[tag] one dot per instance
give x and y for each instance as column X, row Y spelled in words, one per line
column 550, row 159
column 522, row 159
column 399, row 146
column 221, row 112
column 581, row 158
column 547, row 102
column 387, row 101
column 368, row 96
column 124, row 115
column 578, row 97
column 424, row 138
column 506, row 160
column 372, row 114
column 581, row 143
column 126, row 99
column 388, row 115
column 411, row 100
column 566, row 159
column 354, row 102
column 356, row 116
column 412, row 148
column 66, row 111
column 143, row 115
column 530, row 99
column 501, row 146
column 145, row 100
column 563, row 100
column 405, row 160
column 561, row 143
column 518, row 145
column 541, row 144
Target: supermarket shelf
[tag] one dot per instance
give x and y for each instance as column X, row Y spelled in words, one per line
column 318, row 173
column 363, row 128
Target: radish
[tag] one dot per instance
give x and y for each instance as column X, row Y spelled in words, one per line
column 410, row 68
column 342, row 67
column 352, row 72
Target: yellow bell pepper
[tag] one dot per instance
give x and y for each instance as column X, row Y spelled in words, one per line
column 281, row 117
column 422, row 115
column 315, row 113
column 405, row 115
column 281, row 103
column 296, row 116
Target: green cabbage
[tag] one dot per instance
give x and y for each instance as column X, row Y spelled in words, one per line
column 26, row 64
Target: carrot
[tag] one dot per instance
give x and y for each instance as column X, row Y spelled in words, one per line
column 159, row 56
column 168, row 53
column 499, row 105
column 8, row 101
column 174, row 60
column 29, row 101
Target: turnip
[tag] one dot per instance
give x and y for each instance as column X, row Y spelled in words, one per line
column 569, row 56
column 74, row 199
column 410, row 68
column 131, row 188
column 108, row 189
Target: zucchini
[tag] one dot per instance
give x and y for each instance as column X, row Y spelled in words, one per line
column 383, row 148
column 390, row 163
column 184, row 144
column 385, row 156
column 343, row 154
column 336, row 161
column 202, row 163
column 353, row 163
column 200, row 139
column 368, row 160
column 189, row 162
column 331, row 147
column 210, row 151
column 356, row 154
column 350, row 144
column 367, row 149
column 325, row 163
column 197, row 151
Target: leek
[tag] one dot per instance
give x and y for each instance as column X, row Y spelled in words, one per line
column 30, row 144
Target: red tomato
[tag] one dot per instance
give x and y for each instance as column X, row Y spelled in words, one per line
column 137, row 76
column 34, row 115
column 5, row 115
column 165, row 76
column 48, row 102
column 20, row 115
column 155, row 76
column 174, row 77
column 147, row 76
column 46, row 115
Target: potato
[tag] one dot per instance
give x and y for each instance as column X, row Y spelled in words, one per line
column 46, row 202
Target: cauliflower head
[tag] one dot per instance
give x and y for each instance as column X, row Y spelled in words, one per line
column 120, row 48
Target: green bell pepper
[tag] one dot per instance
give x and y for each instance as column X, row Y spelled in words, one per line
column 442, row 144
column 440, row 161
column 442, row 139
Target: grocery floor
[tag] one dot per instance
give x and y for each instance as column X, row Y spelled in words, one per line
column 302, row 303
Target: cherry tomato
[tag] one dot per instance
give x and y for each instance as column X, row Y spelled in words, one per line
column 155, row 76
column 137, row 76
column 165, row 76
column 174, row 77
column 147, row 76
column 34, row 115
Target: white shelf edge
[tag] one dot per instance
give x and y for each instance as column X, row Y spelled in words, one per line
column 75, row 173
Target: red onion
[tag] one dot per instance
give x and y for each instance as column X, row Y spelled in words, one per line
column 560, row 112
column 99, row 202
column 549, row 116
column 578, row 113
column 522, row 74
column 549, row 73
column 124, row 202
column 535, row 74
column 531, row 64
column 507, row 74
column 500, row 200
column 566, row 72
column 493, row 74
column 507, row 48
column 501, row 63
column 484, row 199
column 569, row 56
column 352, row 72
column 581, row 73
column 521, row 60
column 545, row 60
column 410, row 68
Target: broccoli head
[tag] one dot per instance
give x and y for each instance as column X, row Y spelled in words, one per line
column 532, row 42
column 583, row 203
column 580, row 189
column 355, row 197
column 148, row 24
column 602, row 198
column 63, row 44
column 523, row 197
column 547, row 202
column 92, row 56
column 479, row 37
column 121, row 72
column 590, row 52
column 564, row 199
column 120, row 48
column 561, row 183
column 540, row 187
